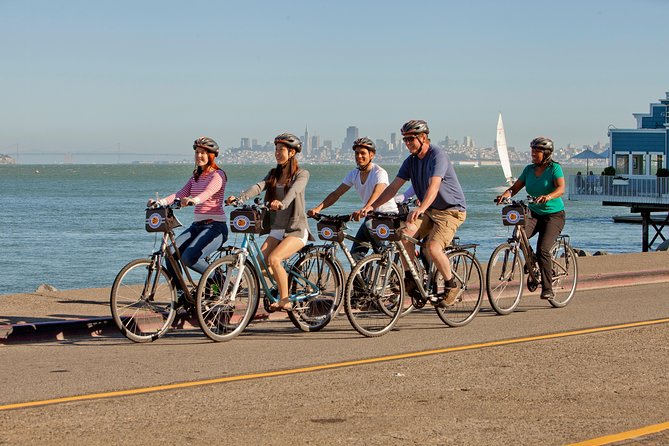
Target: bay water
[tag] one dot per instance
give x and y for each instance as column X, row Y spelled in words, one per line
column 75, row 226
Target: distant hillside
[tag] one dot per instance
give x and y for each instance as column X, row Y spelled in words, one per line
column 6, row 159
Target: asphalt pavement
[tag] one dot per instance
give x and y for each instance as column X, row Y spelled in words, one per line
column 72, row 314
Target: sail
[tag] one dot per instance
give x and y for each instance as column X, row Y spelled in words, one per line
column 503, row 153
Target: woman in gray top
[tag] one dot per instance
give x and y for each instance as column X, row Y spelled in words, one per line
column 284, row 191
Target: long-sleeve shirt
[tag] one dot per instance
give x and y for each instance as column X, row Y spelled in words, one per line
column 208, row 193
column 293, row 216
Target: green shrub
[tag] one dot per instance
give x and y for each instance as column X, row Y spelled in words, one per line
column 609, row 171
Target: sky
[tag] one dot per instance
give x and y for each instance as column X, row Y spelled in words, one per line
column 151, row 76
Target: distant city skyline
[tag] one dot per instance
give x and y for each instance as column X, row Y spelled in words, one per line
column 84, row 77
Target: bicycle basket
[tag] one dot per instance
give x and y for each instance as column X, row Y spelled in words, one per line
column 160, row 220
column 386, row 229
column 248, row 221
column 514, row 215
column 331, row 231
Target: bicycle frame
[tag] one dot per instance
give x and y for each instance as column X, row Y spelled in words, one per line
column 250, row 251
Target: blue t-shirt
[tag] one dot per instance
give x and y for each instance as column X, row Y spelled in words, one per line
column 542, row 185
column 436, row 163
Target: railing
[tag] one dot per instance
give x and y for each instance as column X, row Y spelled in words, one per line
column 648, row 190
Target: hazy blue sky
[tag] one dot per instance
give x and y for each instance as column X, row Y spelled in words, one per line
column 153, row 75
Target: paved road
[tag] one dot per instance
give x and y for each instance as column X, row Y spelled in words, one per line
column 539, row 391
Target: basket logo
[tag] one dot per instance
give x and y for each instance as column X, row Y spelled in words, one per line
column 513, row 217
column 241, row 222
column 383, row 231
column 155, row 220
column 327, row 233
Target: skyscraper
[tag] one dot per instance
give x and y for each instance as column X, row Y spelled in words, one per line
column 352, row 133
column 306, row 142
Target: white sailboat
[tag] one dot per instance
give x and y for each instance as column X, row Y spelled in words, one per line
column 502, row 152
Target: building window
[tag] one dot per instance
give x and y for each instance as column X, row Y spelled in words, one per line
column 622, row 164
column 638, row 165
column 656, row 162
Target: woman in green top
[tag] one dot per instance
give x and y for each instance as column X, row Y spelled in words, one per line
column 544, row 180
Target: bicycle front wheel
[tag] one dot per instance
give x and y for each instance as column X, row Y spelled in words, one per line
column 143, row 300
column 227, row 298
column 504, row 279
column 468, row 276
column 374, row 295
column 315, row 281
column 565, row 274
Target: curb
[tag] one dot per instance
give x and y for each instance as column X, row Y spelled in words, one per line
column 60, row 330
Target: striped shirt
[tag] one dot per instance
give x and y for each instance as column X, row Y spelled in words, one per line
column 208, row 193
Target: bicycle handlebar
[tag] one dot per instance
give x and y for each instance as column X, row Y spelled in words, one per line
column 508, row 200
column 257, row 204
column 338, row 217
column 176, row 204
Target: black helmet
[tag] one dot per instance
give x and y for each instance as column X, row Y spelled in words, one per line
column 206, row 143
column 544, row 144
column 290, row 140
column 365, row 143
column 414, row 127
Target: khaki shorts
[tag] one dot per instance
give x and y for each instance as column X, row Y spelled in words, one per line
column 440, row 225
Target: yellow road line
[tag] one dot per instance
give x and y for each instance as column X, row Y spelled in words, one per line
column 315, row 368
column 614, row 438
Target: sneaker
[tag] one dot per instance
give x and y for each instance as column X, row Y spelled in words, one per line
column 450, row 297
column 547, row 294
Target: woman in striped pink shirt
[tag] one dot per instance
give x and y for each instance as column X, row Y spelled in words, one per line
column 206, row 191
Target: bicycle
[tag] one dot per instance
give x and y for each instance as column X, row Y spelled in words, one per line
column 510, row 261
column 332, row 230
column 143, row 298
column 228, row 293
column 374, row 293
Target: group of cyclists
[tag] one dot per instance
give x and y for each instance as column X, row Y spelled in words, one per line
column 441, row 205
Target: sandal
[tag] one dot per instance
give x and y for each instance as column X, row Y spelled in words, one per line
column 282, row 305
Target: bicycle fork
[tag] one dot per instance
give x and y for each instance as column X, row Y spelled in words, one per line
column 241, row 265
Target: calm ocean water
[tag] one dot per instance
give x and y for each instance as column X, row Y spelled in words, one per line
column 75, row 226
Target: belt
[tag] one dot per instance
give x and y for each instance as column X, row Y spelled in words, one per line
column 204, row 222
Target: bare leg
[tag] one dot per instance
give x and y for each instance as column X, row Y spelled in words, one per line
column 284, row 249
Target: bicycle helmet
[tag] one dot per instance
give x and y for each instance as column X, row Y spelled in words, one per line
column 414, row 127
column 365, row 143
column 291, row 141
column 544, row 144
column 206, row 143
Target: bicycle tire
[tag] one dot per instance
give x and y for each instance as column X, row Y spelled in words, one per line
column 339, row 267
column 468, row 274
column 565, row 274
column 223, row 315
column 407, row 303
column 365, row 295
column 314, row 312
column 142, row 301
column 504, row 279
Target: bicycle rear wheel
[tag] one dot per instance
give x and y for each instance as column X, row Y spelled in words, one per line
column 468, row 275
column 143, row 300
column 565, row 274
column 316, row 282
column 222, row 311
column 504, row 279
column 374, row 295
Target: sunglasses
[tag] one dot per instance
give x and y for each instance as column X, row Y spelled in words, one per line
column 409, row 138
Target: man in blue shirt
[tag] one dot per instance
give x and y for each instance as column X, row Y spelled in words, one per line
column 442, row 206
